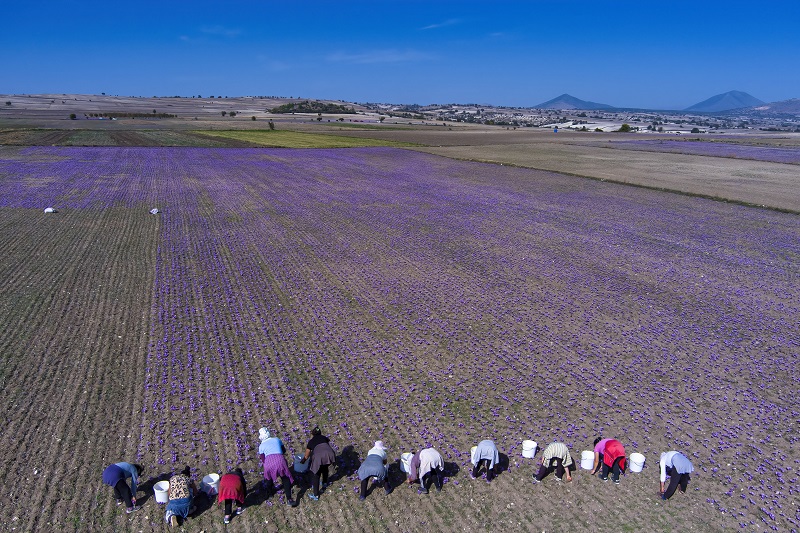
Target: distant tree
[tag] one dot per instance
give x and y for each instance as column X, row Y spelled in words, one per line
column 661, row 129
column 598, row 130
column 252, row 118
column 8, row 102
column 382, row 118
column 72, row 116
column 625, row 128
column 695, row 130
column 232, row 113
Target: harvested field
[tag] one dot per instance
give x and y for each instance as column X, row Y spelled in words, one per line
column 294, row 139
column 770, row 184
column 386, row 293
column 101, row 137
column 714, row 149
column 23, row 137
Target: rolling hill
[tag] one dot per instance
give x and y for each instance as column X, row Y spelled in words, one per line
column 725, row 102
column 566, row 101
column 784, row 107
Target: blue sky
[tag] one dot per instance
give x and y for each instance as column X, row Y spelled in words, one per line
column 645, row 53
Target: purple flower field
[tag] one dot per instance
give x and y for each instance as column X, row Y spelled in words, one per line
column 389, row 294
column 715, row 149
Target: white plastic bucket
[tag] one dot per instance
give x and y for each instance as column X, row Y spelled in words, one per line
column 210, row 484
column 472, row 454
column 298, row 466
column 637, row 462
column 528, row 449
column 405, row 462
column 587, row 459
column 161, row 490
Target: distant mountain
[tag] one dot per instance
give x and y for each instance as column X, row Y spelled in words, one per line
column 725, row 102
column 784, row 107
column 566, row 101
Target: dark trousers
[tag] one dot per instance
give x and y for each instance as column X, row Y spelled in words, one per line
column 229, row 503
column 557, row 464
column 675, row 479
column 614, row 469
column 322, row 473
column 123, row 492
column 427, row 479
column 287, row 487
column 489, row 471
column 229, row 506
column 365, row 483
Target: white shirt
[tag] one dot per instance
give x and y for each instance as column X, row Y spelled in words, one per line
column 666, row 459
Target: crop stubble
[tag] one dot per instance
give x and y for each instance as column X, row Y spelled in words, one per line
column 387, row 294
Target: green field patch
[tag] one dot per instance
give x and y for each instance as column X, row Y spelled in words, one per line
column 89, row 138
column 296, row 139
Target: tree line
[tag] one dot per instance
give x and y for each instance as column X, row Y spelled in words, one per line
column 308, row 106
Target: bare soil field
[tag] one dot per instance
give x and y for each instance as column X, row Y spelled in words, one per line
column 754, row 182
column 388, row 294
column 75, row 314
column 116, row 137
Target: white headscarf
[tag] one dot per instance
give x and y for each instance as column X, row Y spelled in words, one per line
column 263, row 434
column 378, row 449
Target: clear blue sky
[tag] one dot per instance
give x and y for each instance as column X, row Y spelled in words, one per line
column 643, row 53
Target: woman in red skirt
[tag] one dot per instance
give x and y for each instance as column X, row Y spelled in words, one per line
column 232, row 487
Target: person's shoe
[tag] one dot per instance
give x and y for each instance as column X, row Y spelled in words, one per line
column 604, row 478
column 239, row 510
column 472, row 476
column 313, row 498
column 558, row 478
column 226, row 519
column 422, row 491
column 119, row 502
column 133, row 509
column 361, row 498
column 173, row 521
column 438, row 489
column 663, row 497
column 326, row 485
column 616, row 482
column 535, row 480
column 291, row 503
